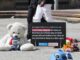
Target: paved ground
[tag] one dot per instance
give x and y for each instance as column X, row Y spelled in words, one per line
column 43, row 53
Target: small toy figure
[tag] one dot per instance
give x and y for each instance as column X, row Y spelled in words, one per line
column 15, row 42
column 68, row 45
column 75, row 45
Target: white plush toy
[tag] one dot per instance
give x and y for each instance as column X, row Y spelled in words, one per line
column 16, row 38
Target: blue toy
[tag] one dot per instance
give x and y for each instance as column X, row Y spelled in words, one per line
column 15, row 43
column 69, row 56
column 61, row 55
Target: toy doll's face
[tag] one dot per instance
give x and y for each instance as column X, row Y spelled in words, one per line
column 68, row 42
column 17, row 31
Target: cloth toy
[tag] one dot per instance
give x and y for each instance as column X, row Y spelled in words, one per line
column 69, row 39
column 58, row 55
column 61, row 55
column 68, row 45
column 16, row 38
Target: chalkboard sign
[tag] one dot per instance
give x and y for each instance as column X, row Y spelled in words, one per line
column 48, row 34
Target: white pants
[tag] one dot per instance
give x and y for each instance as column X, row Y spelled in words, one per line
column 44, row 11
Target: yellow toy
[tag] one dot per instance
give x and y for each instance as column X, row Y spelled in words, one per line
column 68, row 45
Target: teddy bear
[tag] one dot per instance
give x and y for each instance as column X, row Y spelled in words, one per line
column 16, row 39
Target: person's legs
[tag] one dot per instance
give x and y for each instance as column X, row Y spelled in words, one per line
column 38, row 14
column 43, row 20
column 47, row 13
column 31, row 12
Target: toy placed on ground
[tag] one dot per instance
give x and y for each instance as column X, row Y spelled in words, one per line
column 15, row 42
column 68, row 45
column 58, row 55
column 61, row 55
column 71, row 45
column 75, row 45
column 16, row 38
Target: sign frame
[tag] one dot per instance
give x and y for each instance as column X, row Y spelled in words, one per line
column 60, row 42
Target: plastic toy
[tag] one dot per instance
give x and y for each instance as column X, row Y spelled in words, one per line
column 19, row 31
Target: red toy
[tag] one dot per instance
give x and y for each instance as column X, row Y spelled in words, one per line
column 68, row 45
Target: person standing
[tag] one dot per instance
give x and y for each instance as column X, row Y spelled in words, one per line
column 31, row 12
column 43, row 9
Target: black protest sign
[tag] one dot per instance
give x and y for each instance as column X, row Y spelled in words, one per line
column 48, row 34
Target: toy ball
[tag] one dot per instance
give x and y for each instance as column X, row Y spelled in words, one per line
column 58, row 55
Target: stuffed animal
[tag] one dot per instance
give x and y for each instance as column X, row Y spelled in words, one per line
column 58, row 55
column 16, row 39
column 61, row 55
column 75, row 45
column 68, row 45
